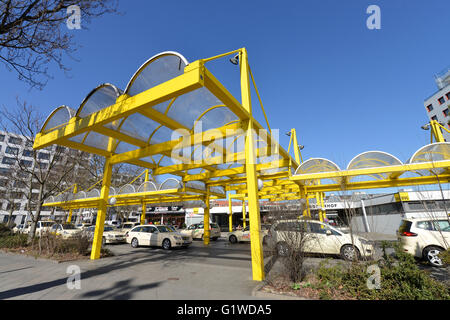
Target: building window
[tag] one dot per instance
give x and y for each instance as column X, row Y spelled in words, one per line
column 441, row 100
column 43, row 165
column 44, row 156
column 14, row 140
column 60, row 149
column 11, row 150
column 448, row 95
column 4, row 171
column 7, row 160
column 434, row 118
column 26, row 163
column 430, row 108
column 27, row 153
column 29, row 143
column 445, row 112
column 2, row 137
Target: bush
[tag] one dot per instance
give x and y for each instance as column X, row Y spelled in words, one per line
column 5, row 230
column 446, row 257
column 400, row 280
column 51, row 245
column 13, row 241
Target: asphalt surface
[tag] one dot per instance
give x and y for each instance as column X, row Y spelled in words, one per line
column 218, row 271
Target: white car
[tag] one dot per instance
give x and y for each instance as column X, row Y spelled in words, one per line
column 126, row 227
column 41, row 227
column 425, row 238
column 110, row 234
column 19, row 228
column 158, row 236
column 196, row 231
column 317, row 237
column 244, row 235
column 66, row 231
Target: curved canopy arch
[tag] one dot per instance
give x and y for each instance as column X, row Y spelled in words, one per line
column 156, row 70
column 170, row 183
column 316, row 165
column 101, row 97
column 128, row 188
column 57, row 118
column 147, row 186
column 434, row 152
column 373, row 159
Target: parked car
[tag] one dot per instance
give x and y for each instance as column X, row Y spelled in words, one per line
column 125, row 227
column 318, row 238
column 19, row 228
column 158, row 236
column 41, row 227
column 425, row 238
column 196, row 231
column 244, row 235
column 110, row 234
column 66, row 231
column 83, row 226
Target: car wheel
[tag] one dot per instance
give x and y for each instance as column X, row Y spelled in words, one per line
column 135, row 243
column 103, row 241
column 214, row 239
column 431, row 254
column 233, row 239
column 265, row 239
column 166, row 244
column 282, row 249
column 350, row 253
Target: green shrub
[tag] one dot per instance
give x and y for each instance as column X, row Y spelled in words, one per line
column 400, row 280
column 5, row 230
column 13, row 241
column 446, row 257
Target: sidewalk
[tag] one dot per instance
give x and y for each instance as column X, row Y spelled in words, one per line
column 134, row 276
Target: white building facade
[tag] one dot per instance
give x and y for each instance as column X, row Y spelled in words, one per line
column 437, row 106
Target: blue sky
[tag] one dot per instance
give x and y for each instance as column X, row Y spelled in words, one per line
column 345, row 88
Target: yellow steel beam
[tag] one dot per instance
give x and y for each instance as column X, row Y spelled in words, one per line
column 124, row 107
column 370, row 171
column 172, row 144
column 101, row 214
column 252, row 179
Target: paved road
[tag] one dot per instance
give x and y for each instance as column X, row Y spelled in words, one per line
column 220, row 271
column 199, row 272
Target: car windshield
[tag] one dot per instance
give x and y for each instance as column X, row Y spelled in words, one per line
column 47, row 224
column 108, row 229
column 69, row 227
column 164, row 229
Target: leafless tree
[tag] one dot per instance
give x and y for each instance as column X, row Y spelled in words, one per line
column 33, row 33
column 48, row 173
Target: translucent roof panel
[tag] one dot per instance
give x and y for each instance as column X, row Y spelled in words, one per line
column 316, row 165
column 196, row 185
column 94, row 193
column 58, row 117
column 215, row 117
column 158, row 69
column 147, row 187
column 128, row 188
column 139, row 127
column 170, row 183
column 97, row 140
column 373, row 159
column 189, row 108
column 432, row 153
column 101, row 97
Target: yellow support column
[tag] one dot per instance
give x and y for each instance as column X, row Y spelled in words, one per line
column 75, row 190
column 144, row 205
column 252, row 180
column 436, row 131
column 206, row 232
column 230, row 214
column 324, row 212
column 244, row 215
column 101, row 214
